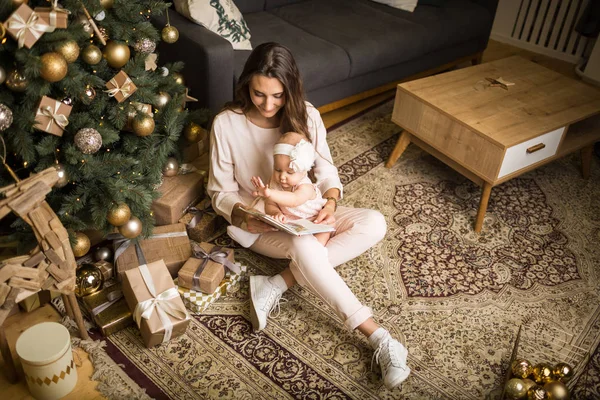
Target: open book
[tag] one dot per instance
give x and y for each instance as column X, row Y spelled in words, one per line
column 296, row 227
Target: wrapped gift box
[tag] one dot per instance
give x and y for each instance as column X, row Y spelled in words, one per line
column 177, row 194
column 169, row 243
column 147, row 313
column 204, row 273
column 202, row 224
column 17, row 22
column 37, row 300
column 121, row 86
column 52, row 116
column 197, row 301
column 108, row 309
column 191, row 151
column 106, row 268
column 56, row 17
column 137, row 108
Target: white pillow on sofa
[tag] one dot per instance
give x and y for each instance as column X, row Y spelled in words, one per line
column 221, row 17
column 406, row 5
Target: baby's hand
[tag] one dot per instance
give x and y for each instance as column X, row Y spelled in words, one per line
column 280, row 217
column 261, row 189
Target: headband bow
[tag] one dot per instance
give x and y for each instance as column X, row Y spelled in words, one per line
column 302, row 155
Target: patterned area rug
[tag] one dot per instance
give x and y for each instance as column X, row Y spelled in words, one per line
column 455, row 298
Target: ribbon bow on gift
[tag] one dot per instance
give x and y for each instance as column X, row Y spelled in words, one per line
column 31, row 25
column 59, row 119
column 161, row 303
column 112, row 298
column 217, row 255
column 198, row 214
column 54, row 13
column 125, row 90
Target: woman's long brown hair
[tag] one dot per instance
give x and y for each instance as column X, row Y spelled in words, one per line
column 274, row 60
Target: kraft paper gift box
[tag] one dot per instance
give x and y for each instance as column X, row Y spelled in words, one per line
column 106, row 268
column 197, row 301
column 177, row 194
column 37, row 300
column 136, row 108
column 206, row 268
column 155, row 303
column 56, row 17
column 202, row 224
column 26, row 26
column 52, row 116
column 169, row 243
column 120, row 86
column 108, row 309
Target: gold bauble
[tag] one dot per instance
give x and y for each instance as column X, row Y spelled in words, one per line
column 194, row 132
column 143, row 125
column 106, row 4
column 557, row 391
column 18, row 3
column 119, row 214
column 116, row 54
column 92, row 55
column 63, row 179
column 562, row 372
column 521, row 368
column 69, row 50
column 132, row 228
column 162, row 99
column 82, row 244
column 54, row 67
column 528, row 384
column 169, row 34
column 88, row 280
column 16, row 81
column 2, row 75
column 515, row 389
column 103, row 254
column 542, row 373
column 537, row 392
column 178, row 78
column 171, row 167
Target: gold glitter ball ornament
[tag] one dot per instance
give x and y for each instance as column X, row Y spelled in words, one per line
column 162, row 99
column 521, row 368
column 69, row 50
column 81, row 245
column 537, row 392
column 561, row 371
column 88, row 280
column 63, row 179
column 92, row 55
column 88, row 140
column 54, row 67
column 132, row 228
column 171, row 167
column 194, row 132
column 557, row 391
column 119, row 214
column 515, row 389
column 542, row 373
column 145, row 46
column 169, row 34
column 6, row 117
column 116, row 54
column 16, row 81
column 107, row 4
column 143, row 125
column 178, row 78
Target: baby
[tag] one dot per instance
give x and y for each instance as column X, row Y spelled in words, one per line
column 290, row 194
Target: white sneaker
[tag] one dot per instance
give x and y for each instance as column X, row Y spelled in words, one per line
column 391, row 357
column 264, row 299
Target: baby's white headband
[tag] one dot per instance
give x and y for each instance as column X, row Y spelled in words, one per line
column 302, row 155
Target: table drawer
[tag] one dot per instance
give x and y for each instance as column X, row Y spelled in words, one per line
column 530, row 152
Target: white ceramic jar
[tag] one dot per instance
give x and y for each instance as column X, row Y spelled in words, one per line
column 45, row 353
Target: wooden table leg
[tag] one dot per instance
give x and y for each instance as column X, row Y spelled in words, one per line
column 483, row 203
column 9, row 365
column 77, row 316
column 401, row 145
column 586, row 160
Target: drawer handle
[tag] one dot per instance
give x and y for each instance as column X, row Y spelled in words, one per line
column 535, row 148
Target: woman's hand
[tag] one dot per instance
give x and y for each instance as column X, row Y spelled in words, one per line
column 261, row 189
column 326, row 215
column 248, row 222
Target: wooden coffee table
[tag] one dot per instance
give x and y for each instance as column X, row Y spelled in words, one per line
column 492, row 134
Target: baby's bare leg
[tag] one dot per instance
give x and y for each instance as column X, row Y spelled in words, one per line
column 323, row 237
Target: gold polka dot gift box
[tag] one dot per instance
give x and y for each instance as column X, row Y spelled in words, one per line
column 196, row 301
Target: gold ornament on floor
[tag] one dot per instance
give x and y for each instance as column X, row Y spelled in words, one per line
column 2, row 75
column 171, row 167
column 178, row 78
column 103, row 254
column 521, row 368
column 162, row 99
column 92, row 55
column 515, row 389
column 132, row 228
column 88, row 280
column 88, row 95
column 528, row 384
column 542, row 373
column 143, row 125
column 6, row 117
column 63, row 179
column 107, row 4
column 81, row 245
column 169, row 34
column 562, row 372
column 69, row 50
column 54, row 67
column 16, row 81
column 119, row 214
column 116, row 54
column 193, row 132
column 537, row 392
column 88, row 140
column 557, row 390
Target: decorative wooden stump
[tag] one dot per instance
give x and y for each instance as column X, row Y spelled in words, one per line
column 50, row 265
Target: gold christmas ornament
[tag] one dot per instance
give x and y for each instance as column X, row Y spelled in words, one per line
column 63, row 179
column 542, row 373
column 521, row 368
column 103, row 32
column 54, row 67
column 557, row 390
column 88, row 140
column 561, row 371
column 119, row 214
column 2, row 75
column 82, row 244
column 69, row 50
column 88, row 280
column 169, row 34
column 515, row 389
column 132, row 228
column 88, row 95
column 144, row 45
column 91, row 55
column 107, row 4
column 83, row 20
column 6, row 117
column 16, row 81
column 528, row 384
column 143, row 125
column 116, row 54
column 171, row 167
column 162, row 99
column 178, row 78
column 537, row 392
column 103, row 254
column 193, row 132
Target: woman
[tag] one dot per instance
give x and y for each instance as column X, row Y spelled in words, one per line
column 269, row 101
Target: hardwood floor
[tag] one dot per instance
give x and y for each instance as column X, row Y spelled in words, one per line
column 85, row 388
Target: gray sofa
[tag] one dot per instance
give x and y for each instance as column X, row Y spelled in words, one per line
column 342, row 47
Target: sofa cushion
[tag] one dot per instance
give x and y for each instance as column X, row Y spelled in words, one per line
column 321, row 63
column 249, row 6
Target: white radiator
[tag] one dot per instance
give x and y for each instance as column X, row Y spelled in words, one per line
column 541, row 26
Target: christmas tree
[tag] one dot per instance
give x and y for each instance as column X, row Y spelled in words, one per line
column 80, row 90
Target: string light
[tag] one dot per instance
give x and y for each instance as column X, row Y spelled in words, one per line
column 25, row 164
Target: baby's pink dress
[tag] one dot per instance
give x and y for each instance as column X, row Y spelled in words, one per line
column 309, row 209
